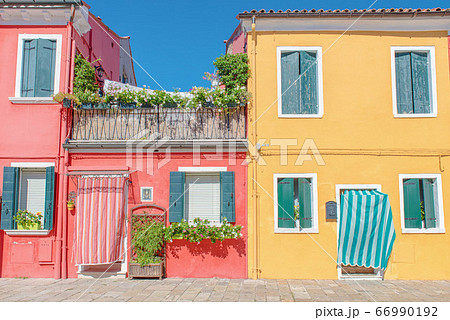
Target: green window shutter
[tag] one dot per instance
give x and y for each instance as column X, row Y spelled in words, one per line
column 45, row 67
column 286, row 203
column 49, row 197
column 411, row 200
column 9, row 197
column 403, row 82
column 176, row 201
column 227, row 205
column 28, row 68
column 290, row 84
column 305, row 199
column 308, row 83
column 429, row 203
column 420, row 82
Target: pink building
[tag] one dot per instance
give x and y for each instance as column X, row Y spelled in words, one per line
column 192, row 163
column 39, row 43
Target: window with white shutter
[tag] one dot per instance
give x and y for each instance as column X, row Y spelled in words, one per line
column 202, row 197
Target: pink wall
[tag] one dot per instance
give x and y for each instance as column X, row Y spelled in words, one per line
column 30, row 133
column 227, row 259
column 104, row 45
column 237, row 42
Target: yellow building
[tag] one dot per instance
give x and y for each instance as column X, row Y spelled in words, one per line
column 347, row 100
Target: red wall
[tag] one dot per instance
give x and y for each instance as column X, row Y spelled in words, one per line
column 29, row 133
column 184, row 259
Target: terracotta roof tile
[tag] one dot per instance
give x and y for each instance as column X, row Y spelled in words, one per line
column 344, row 12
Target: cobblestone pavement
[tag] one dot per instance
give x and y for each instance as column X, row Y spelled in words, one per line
column 175, row 289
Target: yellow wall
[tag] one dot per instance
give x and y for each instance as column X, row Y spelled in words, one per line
column 361, row 143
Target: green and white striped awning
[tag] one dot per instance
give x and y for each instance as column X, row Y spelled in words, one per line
column 366, row 230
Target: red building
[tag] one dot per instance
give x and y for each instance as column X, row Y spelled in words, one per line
column 192, row 163
column 39, row 43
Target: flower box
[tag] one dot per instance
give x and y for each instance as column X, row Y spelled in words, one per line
column 87, row 106
column 147, row 106
column 124, row 105
column 154, row 270
column 33, row 226
column 101, row 105
column 67, row 103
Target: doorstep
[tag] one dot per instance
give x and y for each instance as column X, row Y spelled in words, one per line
column 101, row 275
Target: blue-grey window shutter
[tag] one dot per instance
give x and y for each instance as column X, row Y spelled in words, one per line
column 28, row 68
column 305, row 203
column 290, row 82
column 430, row 202
column 286, row 203
column 49, row 197
column 403, row 83
column 45, row 67
column 420, row 82
column 411, row 202
column 227, row 204
column 9, row 197
column 308, row 83
column 176, row 201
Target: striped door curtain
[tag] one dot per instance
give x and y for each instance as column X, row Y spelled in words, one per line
column 366, row 230
column 100, row 220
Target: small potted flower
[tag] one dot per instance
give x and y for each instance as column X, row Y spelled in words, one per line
column 144, row 99
column 28, row 221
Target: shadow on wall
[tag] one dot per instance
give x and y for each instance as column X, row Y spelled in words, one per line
column 207, row 248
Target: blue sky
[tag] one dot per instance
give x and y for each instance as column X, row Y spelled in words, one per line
column 177, row 41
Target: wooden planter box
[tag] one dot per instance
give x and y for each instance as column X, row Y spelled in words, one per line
column 148, row 271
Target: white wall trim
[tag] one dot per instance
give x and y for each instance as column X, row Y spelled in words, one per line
column 319, row 81
column 378, row 271
column 22, row 37
column 315, row 206
column 366, row 23
column 432, row 69
column 441, row 228
column 202, row 169
column 32, row 164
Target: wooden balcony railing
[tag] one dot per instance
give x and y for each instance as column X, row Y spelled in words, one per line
column 159, row 123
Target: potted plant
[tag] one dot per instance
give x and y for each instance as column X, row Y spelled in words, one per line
column 127, row 99
column 147, row 240
column 66, row 99
column 144, row 99
column 28, row 221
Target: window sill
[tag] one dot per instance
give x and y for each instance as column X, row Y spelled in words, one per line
column 27, row 232
column 424, row 231
column 289, row 230
column 32, row 100
column 416, row 115
column 301, row 116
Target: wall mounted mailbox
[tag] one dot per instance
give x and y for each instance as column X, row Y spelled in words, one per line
column 331, row 210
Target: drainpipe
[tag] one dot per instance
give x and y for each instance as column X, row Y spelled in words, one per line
column 254, row 159
column 61, row 234
column 66, row 164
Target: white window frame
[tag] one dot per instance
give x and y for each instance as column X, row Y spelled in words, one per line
column 315, row 204
column 37, row 100
column 37, row 166
column 202, row 170
column 441, row 228
column 379, row 274
column 432, row 69
column 319, row 82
